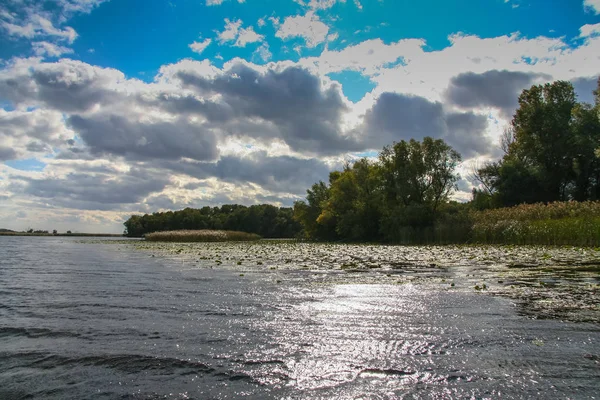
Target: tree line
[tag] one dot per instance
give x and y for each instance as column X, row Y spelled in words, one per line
column 551, row 153
column 265, row 220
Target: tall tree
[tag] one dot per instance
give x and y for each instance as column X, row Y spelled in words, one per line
column 551, row 155
column 418, row 172
column 543, row 136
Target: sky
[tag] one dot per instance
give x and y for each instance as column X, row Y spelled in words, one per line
column 117, row 107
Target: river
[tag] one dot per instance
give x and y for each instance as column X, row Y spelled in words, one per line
column 83, row 319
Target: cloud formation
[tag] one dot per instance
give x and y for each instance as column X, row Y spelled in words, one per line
column 496, row 89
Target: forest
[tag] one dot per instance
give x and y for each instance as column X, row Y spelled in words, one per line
column 551, row 153
column 265, row 220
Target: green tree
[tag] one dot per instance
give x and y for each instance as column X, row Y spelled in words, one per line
column 551, row 155
column 307, row 213
column 354, row 202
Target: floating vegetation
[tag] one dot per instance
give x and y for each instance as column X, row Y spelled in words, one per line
column 201, row 236
column 544, row 281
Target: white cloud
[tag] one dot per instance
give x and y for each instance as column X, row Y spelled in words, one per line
column 38, row 25
column 247, row 35
column 368, row 57
column 263, row 52
column 50, row 49
column 234, row 32
column 589, row 30
column 308, row 26
column 199, row 47
column 325, row 4
column 219, row 2
column 592, row 6
column 194, row 122
column 231, row 31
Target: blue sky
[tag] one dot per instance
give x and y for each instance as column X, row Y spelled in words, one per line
column 204, row 102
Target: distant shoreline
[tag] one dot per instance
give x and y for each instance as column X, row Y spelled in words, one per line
column 61, row 234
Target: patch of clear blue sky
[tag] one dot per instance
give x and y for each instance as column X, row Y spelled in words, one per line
column 354, row 84
column 30, row 164
column 138, row 36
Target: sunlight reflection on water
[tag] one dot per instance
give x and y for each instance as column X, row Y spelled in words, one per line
column 84, row 320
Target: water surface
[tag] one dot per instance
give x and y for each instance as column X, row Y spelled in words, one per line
column 84, row 319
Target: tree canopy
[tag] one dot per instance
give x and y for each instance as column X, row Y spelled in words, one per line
column 551, row 152
column 265, row 220
column 373, row 200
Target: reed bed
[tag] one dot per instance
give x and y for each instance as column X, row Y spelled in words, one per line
column 204, row 235
column 560, row 223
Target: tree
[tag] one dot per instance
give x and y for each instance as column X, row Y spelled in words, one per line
column 418, row 173
column 354, row 202
column 375, row 200
column 307, row 213
column 550, row 150
column 543, row 136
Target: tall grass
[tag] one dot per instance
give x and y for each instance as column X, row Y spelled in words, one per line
column 204, row 235
column 560, row 223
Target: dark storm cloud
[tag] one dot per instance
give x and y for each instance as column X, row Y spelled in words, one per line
column 58, row 90
column 396, row 117
column 291, row 105
column 37, row 147
column 280, row 174
column 115, row 134
column 465, row 133
column 6, row 153
column 498, row 89
column 95, row 191
column 307, row 115
column 584, row 87
column 67, row 86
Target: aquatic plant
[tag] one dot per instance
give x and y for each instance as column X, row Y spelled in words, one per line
column 559, row 223
column 204, row 235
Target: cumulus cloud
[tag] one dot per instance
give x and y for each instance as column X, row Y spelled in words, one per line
column 234, row 32
column 219, row 2
column 66, row 85
column 245, row 132
column 50, row 49
column 497, row 89
column 291, row 104
column 36, row 26
column 263, row 52
column 592, row 6
column 285, row 174
column 369, row 56
column 138, row 139
column 33, row 19
column 396, row 117
column 37, row 131
column 199, row 47
column 584, row 88
column 95, row 190
column 309, row 27
column 324, row 4
column 589, row 30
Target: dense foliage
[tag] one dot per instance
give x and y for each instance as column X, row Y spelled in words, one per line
column 551, row 155
column 265, row 220
column 551, row 151
column 402, row 197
